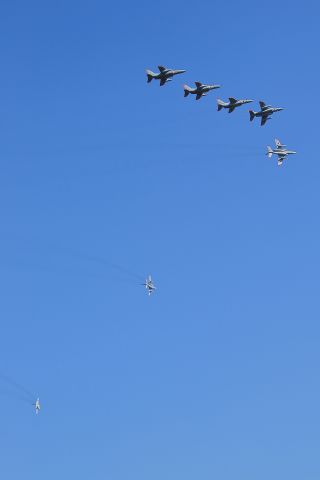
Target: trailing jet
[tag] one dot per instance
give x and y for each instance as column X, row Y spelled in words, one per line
column 164, row 75
column 200, row 90
column 265, row 112
column 37, row 406
column 149, row 285
column 232, row 104
column 281, row 151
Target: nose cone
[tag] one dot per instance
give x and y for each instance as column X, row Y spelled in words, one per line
column 180, row 71
column 279, row 109
column 248, row 101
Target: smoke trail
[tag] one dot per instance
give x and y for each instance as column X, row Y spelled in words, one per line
column 113, row 265
column 16, row 395
column 20, row 391
column 102, row 261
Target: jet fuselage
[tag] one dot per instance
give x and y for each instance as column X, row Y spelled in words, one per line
column 267, row 112
column 168, row 73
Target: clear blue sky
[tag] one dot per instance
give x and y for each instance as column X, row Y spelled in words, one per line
column 105, row 179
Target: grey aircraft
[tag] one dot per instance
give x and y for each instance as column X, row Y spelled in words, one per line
column 232, row 104
column 37, row 406
column 149, row 285
column 200, row 90
column 281, row 151
column 265, row 112
column 164, row 75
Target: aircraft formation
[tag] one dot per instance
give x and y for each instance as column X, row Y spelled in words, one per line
column 201, row 90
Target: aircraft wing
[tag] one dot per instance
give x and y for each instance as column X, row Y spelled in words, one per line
column 162, row 81
column 264, row 118
column 231, row 109
column 198, row 84
column 262, row 105
column 199, row 95
column 280, row 159
column 232, row 100
column 161, row 68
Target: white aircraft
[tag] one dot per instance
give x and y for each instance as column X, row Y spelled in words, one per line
column 149, row 285
column 281, row 151
column 37, row 405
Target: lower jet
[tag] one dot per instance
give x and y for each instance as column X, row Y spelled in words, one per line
column 164, row 75
column 265, row 112
column 281, row 151
column 149, row 285
column 200, row 90
column 37, row 406
column 232, row 104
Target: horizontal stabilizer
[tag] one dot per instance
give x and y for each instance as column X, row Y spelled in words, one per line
column 252, row 115
column 269, row 152
column 150, row 75
column 221, row 104
column 187, row 90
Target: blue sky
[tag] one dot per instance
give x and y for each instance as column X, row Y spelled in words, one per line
column 105, row 179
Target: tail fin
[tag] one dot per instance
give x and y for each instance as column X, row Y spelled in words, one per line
column 269, row 152
column 187, row 90
column 220, row 104
column 150, row 75
column 252, row 115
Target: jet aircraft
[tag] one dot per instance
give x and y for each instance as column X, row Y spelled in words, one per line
column 232, row 104
column 164, row 75
column 200, row 90
column 37, row 406
column 149, row 285
column 281, row 151
column 265, row 112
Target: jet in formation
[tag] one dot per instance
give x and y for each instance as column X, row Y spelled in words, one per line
column 37, row 406
column 200, row 90
column 281, row 151
column 265, row 112
column 232, row 104
column 149, row 285
column 164, row 75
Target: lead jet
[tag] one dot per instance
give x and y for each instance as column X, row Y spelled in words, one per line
column 281, row 151
column 200, row 90
column 164, row 75
column 232, row 104
column 37, row 406
column 265, row 112
column 149, row 285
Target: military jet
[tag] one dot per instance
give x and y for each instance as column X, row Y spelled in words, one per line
column 200, row 90
column 281, row 151
column 164, row 75
column 232, row 104
column 149, row 285
column 37, row 406
column 265, row 112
